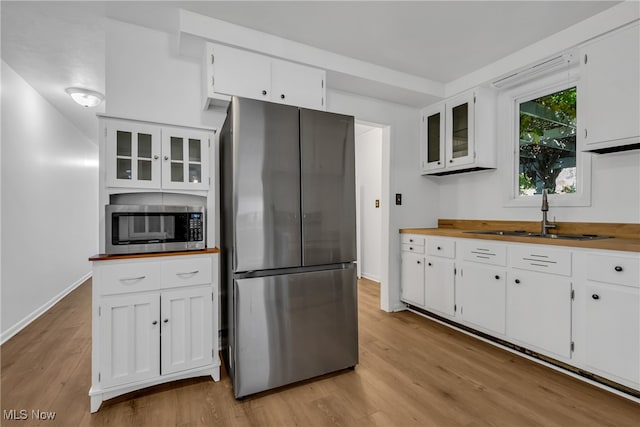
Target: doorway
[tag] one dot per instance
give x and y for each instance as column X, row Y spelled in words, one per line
column 369, row 200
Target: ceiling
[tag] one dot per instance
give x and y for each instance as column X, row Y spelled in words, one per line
column 54, row 45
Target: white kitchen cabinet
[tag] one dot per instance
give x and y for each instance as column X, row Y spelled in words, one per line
column 412, row 269
column 412, row 278
column 130, row 344
column 609, row 101
column 459, row 134
column 440, row 276
column 612, row 317
column 185, row 162
column 133, row 154
column 539, row 311
column 481, row 285
column 153, row 322
column 186, row 329
column 155, row 156
column 230, row 71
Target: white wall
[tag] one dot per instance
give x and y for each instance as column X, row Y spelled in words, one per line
column 49, row 204
column 419, row 195
column 369, row 187
column 146, row 79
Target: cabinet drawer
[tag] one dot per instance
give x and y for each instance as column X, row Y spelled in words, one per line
column 614, row 269
column 419, row 249
column 186, row 272
column 442, row 248
column 541, row 259
column 134, row 277
column 486, row 253
column 412, row 239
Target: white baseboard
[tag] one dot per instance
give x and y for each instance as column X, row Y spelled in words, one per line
column 370, row 277
column 6, row 335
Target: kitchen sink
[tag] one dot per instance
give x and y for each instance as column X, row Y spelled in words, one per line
column 522, row 233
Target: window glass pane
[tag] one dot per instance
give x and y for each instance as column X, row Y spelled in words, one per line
column 547, row 144
column 123, row 168
column 460, row 131
column 176, row 148
column 194, row 150
column 177, row 172
column 123, row 143
column 144, row 145
column 194, row 173
column 433, row 138
column 144, row 170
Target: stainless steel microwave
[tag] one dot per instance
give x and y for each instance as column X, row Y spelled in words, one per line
column 153, row 228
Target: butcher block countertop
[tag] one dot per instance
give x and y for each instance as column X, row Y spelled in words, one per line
column 106, row 257
column 624, row 237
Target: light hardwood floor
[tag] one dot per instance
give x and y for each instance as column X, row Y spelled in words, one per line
column 412, row 371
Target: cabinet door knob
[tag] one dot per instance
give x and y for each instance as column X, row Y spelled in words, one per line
column 264, row 92
column 429, row 264
column 438, row 162
column 595, row 296
column 166, row 320
column 497, row 277
column 410, row 248
column 410, row 240
column 155, row 322
column 451, row 161
column 517, row 280
column 618, row 268
column 418, row 262
column 156, row 157
column 282, row 96
column 166, row 158
column 439, row 248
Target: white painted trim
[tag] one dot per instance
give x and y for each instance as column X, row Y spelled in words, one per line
column 9, row 333
column 215, row 30
column 533, row 359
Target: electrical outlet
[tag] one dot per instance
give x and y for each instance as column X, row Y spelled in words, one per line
column 377, row 203
column 398, row 199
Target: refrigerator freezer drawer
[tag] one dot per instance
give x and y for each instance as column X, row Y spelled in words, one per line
column 293, row 327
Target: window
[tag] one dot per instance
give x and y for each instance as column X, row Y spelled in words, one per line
column 547, row 143
column 540, row 119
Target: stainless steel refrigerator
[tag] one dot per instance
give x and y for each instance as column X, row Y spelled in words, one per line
column 288, row 244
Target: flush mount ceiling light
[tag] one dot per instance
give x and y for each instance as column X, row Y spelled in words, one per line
column 85, row 97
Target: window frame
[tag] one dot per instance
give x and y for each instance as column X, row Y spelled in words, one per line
column 510, row 101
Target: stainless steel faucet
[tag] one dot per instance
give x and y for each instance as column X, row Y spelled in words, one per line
column 545, row 225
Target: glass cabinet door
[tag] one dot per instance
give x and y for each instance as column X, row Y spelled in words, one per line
column 433, row 149
column 133, row 152
column 185, row 162
column 460, row 130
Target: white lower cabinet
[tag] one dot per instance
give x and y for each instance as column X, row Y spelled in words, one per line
column 412, row 274
column 153, row 322
column 539, row 311
column 439, row 282
column 481, row 296
column 130, row 338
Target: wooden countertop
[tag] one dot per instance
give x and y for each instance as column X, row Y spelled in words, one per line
column 106, row 257
column 624, row 237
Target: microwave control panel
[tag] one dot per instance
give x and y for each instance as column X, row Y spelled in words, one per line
column 195, row 227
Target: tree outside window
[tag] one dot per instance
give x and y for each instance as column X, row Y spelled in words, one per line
column 547, row 146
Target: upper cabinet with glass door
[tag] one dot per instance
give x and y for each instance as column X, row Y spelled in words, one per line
column 153, row 156
column 184, row 159
column 459, row 134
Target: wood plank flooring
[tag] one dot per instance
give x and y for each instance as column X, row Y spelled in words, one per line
column 412, row 372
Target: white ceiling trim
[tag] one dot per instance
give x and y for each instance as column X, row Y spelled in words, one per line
column 193, row 24
column 569, row 38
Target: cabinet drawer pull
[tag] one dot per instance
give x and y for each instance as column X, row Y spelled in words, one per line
column 497, row 277
column 439, row 248
column 166, row 320
column 410, row 240
column 410, row 248
column 131, row 279
column 595, row 296
column 418, row 262
column 517, row 281
column 188, row 273
column 282, row 96
column 264, row 92
column 155, row 322
column 429, row 264
column 618, row 268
